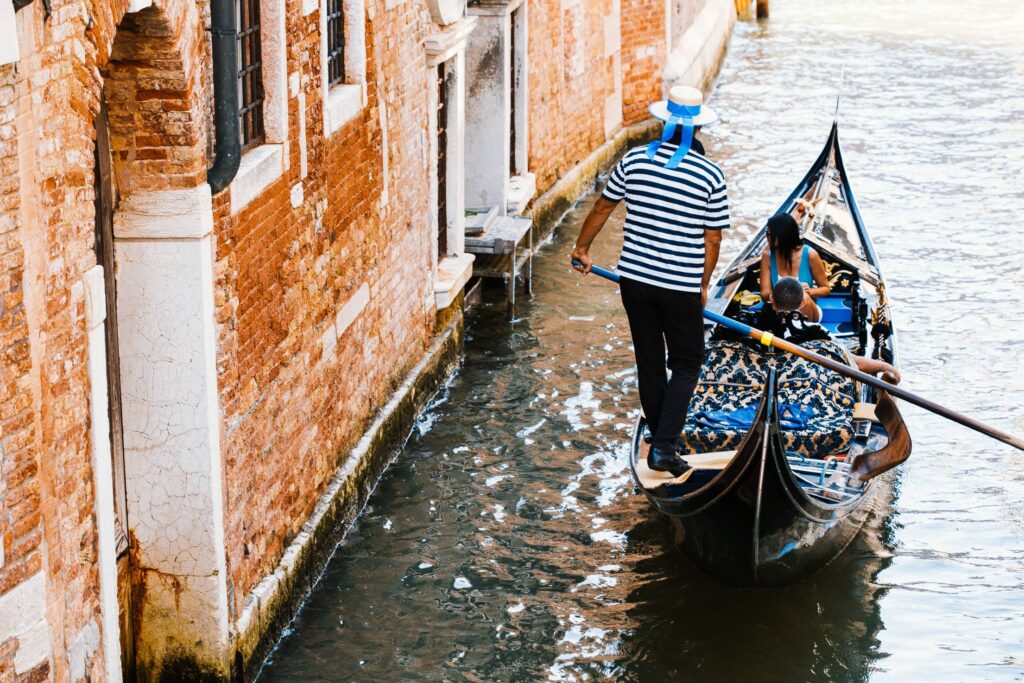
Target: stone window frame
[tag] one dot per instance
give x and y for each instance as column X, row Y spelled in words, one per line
column 263, row 164
column 343, row 101
column 520, row 62
column 447, row 47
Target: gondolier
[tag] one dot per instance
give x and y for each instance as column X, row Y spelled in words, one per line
column 676, row 208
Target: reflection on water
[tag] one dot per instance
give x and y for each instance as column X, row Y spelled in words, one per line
column 507, row 542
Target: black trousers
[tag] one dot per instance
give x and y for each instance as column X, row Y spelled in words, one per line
column 661, row 319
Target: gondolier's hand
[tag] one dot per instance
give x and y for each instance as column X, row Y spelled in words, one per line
column 583, row 256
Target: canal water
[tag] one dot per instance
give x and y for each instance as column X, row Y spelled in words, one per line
column 507, row 542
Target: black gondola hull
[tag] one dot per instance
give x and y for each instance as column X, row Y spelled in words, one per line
column 752, row 524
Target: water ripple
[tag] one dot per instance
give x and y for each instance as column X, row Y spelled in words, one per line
column 507, row 542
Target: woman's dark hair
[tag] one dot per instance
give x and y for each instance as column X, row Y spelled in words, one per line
column 784, row 237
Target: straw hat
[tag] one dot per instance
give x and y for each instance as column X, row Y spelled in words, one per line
column 684, row 100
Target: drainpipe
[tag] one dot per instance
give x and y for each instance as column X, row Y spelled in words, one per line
column 228, row 142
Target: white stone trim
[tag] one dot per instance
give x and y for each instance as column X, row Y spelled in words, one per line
column 344, row 101
column 446, row 12
column 23, row 617
column 347, row 315
column 448, row 47
column 259, row 168
column 170, row 410
column 274, row 45
column 521, row 189
column 102, row 467
column 453, row 272
column 445, row 44
column 8, row 33
column 521, row 55
column 165, row 214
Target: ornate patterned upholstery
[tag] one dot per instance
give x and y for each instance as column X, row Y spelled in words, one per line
column 733, row 378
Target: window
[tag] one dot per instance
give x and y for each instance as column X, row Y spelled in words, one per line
column 335, row 42
column 343, row 61
column 250, row 74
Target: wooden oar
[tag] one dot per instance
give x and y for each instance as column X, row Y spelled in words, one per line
column 769, row 339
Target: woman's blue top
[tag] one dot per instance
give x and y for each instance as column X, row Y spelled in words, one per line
column 804, row 275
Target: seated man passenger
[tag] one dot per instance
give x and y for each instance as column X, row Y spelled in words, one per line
column 788, row 256
column 783, row 318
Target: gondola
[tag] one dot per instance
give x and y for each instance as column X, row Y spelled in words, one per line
column 776, row 492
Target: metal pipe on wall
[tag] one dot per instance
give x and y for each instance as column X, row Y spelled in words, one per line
column 228, row 141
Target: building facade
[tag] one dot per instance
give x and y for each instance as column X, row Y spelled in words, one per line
column 203, row 373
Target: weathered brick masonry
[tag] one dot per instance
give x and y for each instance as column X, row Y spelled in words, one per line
column 644, row 49
column 149, row 527
column 291, row 391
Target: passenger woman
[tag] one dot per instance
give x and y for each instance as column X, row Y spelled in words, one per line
column 788, row 256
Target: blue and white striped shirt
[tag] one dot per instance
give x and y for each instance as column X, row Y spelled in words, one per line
column 667, row 212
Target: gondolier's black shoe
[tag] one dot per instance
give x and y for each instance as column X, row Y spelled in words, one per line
column 664, row 460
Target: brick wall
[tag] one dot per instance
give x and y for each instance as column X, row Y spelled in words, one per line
column 643, row 56
column 21, row 529
column 570, row 77
column 323, row 288
column 46, row 241
column 295, row 396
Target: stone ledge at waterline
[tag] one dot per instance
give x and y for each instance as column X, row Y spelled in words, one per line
column 274, row 601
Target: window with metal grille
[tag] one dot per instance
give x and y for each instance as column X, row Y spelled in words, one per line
column 442, row 162
column 335, row 42
column 250, row 73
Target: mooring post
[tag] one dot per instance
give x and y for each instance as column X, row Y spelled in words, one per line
column 762, row 9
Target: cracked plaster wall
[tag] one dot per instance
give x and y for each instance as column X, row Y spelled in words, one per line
column 171, row 421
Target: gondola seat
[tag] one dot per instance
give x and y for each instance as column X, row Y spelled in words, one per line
column 816, row 404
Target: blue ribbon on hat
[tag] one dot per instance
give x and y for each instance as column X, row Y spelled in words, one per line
column 679, row 115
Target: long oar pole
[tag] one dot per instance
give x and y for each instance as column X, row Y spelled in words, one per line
column 768, row 339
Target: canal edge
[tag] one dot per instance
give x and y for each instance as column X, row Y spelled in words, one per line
column 278, row 598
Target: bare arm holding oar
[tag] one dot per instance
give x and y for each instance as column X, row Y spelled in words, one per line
column 712, row 245
column 592, row 225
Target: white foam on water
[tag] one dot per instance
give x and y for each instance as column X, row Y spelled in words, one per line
column 596, row 581
column 526, row 431
column 491, row 482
